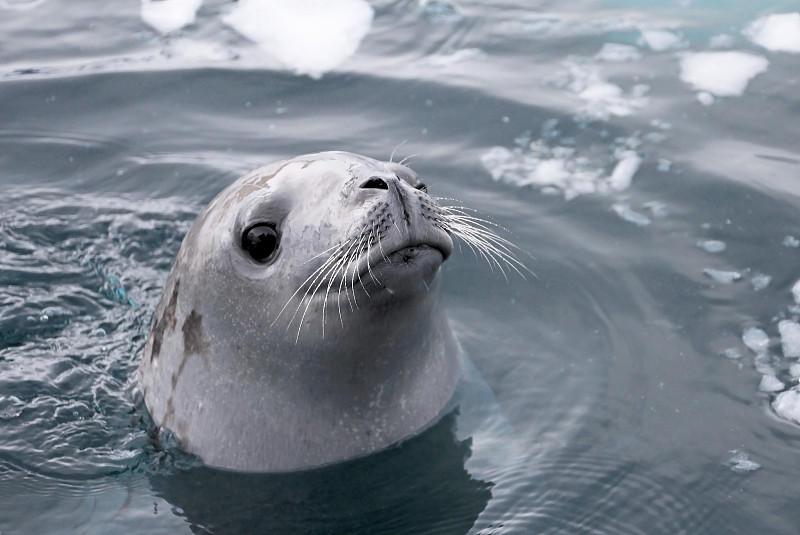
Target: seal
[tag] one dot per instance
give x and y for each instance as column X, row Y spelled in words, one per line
column 300, row 324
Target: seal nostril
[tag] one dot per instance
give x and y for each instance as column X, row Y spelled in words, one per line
column 375, row 183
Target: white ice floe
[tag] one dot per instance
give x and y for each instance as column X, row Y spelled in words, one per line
column 662, row 40
column 724, row 277
column 790, row 338
column 705, row 98
column 794, row 370
column 777, row 33
column 756, row 339
column 770, row 383
column 169, row 15
column 740, row 462
column 759, row 281
column 626, row 213
column 732, row 353
column 712, row 246
column 796, row 291
column 602, row 99
column 791, row 241
column 626, row 167
column 309, row 36
column 724, row 74
column 787, row 405
column 562, row 170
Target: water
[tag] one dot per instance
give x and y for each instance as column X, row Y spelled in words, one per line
column 645, row 379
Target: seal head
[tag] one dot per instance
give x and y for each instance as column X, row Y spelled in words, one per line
column 299, row 325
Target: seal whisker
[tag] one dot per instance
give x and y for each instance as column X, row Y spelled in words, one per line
column 322, row 273
column 391, row 156
column 346, row 263
column 407, row 159
column 363, row 247
column 316, row 273
column 480, row 235
column 487, row 247
column 317, row 285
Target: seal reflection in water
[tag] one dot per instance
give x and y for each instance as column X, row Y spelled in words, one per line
column 299, row 325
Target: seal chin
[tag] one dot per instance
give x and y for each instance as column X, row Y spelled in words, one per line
column 408, row 269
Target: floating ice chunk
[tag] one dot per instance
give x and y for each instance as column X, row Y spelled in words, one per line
column 725, row 74
column 787, row 405
column 724, row 277
column 778, row 33
column 625, row 212
column 759, row 281
column 763, row 364
column 791, row 241
column 712, row 246
column 756, row 339
column 618, row 52
column 169, row 15
column 790, row 338
column 740, row 462
column 661, row 40
column 623, row 172
column 796, row 292
column 794, row 370
column 732, row 353
column 770, row 383
column 309, row 36
column 705, row 98
column 603, row 98
column 657, row 208
column 664, row 165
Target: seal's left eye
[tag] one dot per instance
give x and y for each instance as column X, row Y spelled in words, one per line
column 421, row 186
column 261, row 241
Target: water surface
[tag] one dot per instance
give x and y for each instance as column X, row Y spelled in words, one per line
column 632, row 393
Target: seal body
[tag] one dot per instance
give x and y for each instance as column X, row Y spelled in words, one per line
column 299, row 325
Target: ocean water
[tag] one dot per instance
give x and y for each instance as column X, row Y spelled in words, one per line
column 645, row 154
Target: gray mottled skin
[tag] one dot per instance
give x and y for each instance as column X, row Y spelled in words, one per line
column 231, row 375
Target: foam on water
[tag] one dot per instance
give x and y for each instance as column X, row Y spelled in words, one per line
column 724, row 74
column 309, row 36
column 777, row 33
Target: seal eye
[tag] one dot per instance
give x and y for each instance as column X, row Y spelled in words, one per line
column 261, row 241
column 422, row 187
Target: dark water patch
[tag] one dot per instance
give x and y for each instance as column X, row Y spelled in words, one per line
column 419, row 486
